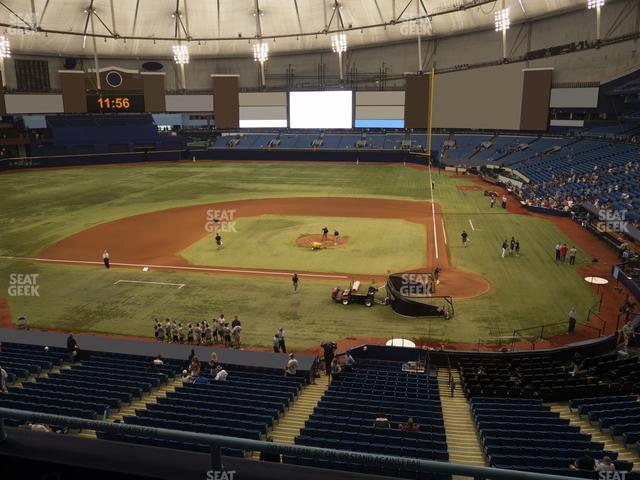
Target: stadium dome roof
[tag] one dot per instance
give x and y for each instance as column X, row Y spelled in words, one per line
column 225, row 27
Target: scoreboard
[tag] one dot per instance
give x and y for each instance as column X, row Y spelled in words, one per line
column 115, row 103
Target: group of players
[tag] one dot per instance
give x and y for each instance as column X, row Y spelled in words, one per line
column 508, row 246
column 325, row 234
column 200, row 333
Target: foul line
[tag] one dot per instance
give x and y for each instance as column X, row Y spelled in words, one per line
column 472, row 227
column 174, row 267
column 444, row 232
column 433, row 214
column 179, row 285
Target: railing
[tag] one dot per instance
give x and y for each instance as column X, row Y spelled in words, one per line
column 217, row 442
column 549, row 326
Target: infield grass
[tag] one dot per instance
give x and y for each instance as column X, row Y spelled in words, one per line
column 374, row 246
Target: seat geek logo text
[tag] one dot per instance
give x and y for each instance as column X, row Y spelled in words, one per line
column 23, row 285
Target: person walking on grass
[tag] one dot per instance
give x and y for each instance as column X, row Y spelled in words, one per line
column 281, row 340
column 517, row 248
column 505, row 245
column 465, row 238
column 558, row 246
column 105, row 259
column 512, row 246
column 296, row 282
column 276, row 344
column 218, row 241
column 572, row 255
column 572, row 320
column 493, row 201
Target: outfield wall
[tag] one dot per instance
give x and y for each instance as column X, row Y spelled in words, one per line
column 350, row 156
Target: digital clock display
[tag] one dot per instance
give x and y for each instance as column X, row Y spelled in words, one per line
column 115, row 103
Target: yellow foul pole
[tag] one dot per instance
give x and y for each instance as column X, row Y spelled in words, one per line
column 432, row 82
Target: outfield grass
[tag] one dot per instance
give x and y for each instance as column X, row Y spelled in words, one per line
column 269, row 241
column 40, row 207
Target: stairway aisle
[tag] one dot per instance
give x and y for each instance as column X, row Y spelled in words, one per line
column 292, row 421
column 138, row 404
column 616, row 445
column 462, row 438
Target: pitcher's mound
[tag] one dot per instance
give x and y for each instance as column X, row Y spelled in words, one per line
column 307, row 241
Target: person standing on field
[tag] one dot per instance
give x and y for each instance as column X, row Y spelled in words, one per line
column 572, row 255
column 281, row 341
column 563, row 252
column 105, row 259
column 295, row 281
column 218, row 241
column 572, row 320
column 465, row 238
column 517, row 248
column 558, row 251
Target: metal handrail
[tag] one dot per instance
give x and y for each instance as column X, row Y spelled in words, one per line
column 219, row 441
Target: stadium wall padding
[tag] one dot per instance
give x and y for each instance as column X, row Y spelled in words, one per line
column 204, row 155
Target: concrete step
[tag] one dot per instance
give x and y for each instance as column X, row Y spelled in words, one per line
column 462, row 439
column 292, row 421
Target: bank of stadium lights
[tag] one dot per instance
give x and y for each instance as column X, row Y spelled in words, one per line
column 5, row 52
column 597, row 4
column 181, row 57
column 261, row 55
column 339, row 46
column 261, row 52
column 181, row 54
column 502, row 20
column 339, row 43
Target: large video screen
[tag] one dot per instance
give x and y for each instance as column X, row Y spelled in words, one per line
column 320, row 109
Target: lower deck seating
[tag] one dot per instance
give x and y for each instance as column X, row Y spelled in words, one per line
column 619, row 415
column 524, row 434
column 344, row 419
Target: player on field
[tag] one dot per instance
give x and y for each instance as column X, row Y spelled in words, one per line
column 325, row 233
column 218, row 241
column 465, row 238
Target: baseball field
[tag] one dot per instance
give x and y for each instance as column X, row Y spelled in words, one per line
column 158, row 223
